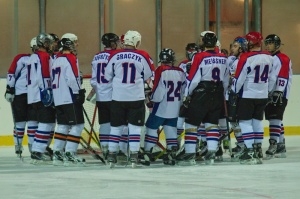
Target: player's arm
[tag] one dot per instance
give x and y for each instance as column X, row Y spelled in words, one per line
column 283, row 74
column 240, row 75
column 159, row 87
column 194, row 76
column 94, row 74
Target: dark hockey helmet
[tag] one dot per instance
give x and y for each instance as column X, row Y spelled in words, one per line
column 272, row 38
column 190, row 50
column 109, row 38
column 54, row 36
column 167, row 55
column 44, row 40
column 209, row 40
column 243, row 43
column 67, row 44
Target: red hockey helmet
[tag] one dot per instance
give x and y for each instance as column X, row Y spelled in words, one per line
column 254, row 38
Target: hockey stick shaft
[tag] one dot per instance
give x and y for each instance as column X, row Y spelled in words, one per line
column 90, row 150
column 92, row 132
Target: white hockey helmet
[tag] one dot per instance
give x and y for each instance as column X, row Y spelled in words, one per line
column 70, row 36
column 33, row 44
column 132, row 38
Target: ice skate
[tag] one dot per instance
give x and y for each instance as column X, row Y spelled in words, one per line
column 39, row 158
column 281, row 151
column 122, row 158
column 71, row 159
column 133, row 158
column 112, row 159
column 272, row 149
column 147, row 157
column 18, row 150
column 105, row 152
column 170, row 156
column 258, row 152
column 237, row 148
column 239, row 152
column 58, row 158
column 248, row 157
column 210, row 157
column 202, row 152
column 186, row 159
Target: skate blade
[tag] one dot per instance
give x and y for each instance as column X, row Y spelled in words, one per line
column 186, row 163
column 57, row 163
column 280, row 155
column 111, row 165
column 74, row 164
column 40, row 162
column 209, row 162
column 249, row 162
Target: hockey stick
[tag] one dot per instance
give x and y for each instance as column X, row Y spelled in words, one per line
column 227, row 126
column 92, row 132
column 91, row 151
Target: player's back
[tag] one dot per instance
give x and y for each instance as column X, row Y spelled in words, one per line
column 102, row 86
column 254, row 68
column 169, row 84
column 17, row 73
column 128, row 70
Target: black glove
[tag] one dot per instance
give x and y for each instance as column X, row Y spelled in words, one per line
column 277, row 98
column 9, row 93
column 188, row 67
column 232, row 98
column 80, row 97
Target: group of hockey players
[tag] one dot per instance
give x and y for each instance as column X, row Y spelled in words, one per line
column 199, row 102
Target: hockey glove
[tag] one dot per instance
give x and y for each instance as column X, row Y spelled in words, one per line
column 188, row 67
column 47, row 97
column 184, row 107
column 277, row 98
column 9, row 93
column 232, row 98
column 80, row 97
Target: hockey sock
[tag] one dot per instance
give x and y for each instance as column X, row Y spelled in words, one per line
column 281, row 138
column 104, row 132
column 171, row 137
column 201, row 133
column 60, row 137
column 114, row 138
column 134, row 137
column 223, row 127
column 258, row 130
column 19, row 132
column 275, row 129
column 212, row 136
column 124, row 140
column 238, row 135
column 41, row 137
column 31, row 129
column 151, row 138
column 190, row 138
column 73, row 138
column 51, row 134
column 247, row 132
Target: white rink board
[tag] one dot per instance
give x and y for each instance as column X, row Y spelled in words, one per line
column 276, row 179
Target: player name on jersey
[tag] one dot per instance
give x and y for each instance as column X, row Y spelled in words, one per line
column 101, row 57
column 214, row 61
column 129, row 56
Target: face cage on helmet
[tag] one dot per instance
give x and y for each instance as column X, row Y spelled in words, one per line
column 190, row 54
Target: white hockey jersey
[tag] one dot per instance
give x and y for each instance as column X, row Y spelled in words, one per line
column 167, row 91
column 128, row 69
column 252, row 77
column 17, row 74
column 102, row 86
column 208, row 66
column 38, row 75
column 65, row 79
column 282, row 69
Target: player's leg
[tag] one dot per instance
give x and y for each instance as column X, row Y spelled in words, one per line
column 75, row 118
column 104, row 122
column 244, row 112
column 136, row 120
column 170, row 130
column 46, row 119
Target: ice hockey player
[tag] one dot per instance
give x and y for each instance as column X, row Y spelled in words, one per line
column 16, row 94
column 208, row 77
column 68, row 99
column 274, row 111
column 166, row 96
column 128, row 69
column 251, row 82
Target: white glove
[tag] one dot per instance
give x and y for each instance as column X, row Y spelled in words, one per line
column 9, row 97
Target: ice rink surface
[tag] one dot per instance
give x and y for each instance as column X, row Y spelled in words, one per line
column 275, row 178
